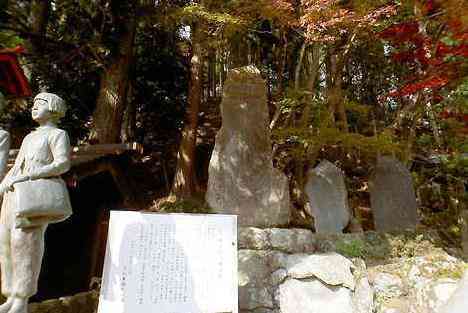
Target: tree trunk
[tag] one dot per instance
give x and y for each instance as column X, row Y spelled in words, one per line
column 297, row 72
column 112, row 98
column 314, row 67
column 38, row 19
column 336, row 61
column 422, row 29
column 280, row 61
column 129, row 118
column 335, row 97
column 185, row 181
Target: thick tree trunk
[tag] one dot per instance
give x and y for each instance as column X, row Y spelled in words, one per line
column 129, row 118
column 185, row 181
column 336, row 62
column 314, row 67
column 297, row 71
column 38, row 19
column 112, row 98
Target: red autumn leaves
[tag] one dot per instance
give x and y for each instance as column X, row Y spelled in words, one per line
column 434, row 62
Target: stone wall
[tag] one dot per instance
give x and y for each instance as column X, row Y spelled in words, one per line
column 296, row 270
column 280, row 270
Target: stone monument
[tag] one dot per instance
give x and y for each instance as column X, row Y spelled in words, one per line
column 392, row 196
column 242, row 179
column 44, row 155
column 328, row 198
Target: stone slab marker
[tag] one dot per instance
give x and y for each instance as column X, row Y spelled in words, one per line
column 242, row 179
column 328, row 198
column 392, row 196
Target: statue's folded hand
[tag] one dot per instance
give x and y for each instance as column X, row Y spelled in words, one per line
column 20, row 179
column 8, row 183
column 5, row 186
column 2, row 189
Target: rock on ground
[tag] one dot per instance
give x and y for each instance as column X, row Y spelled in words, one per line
column 271, row 280
column 458, row 301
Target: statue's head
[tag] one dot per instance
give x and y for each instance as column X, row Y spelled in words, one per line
column 56, row 105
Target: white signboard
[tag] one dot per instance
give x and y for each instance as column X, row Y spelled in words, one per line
column 170, row 263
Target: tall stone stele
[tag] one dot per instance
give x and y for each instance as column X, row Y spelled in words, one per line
column 242, row 179
column 328, row 198
column 392, row 196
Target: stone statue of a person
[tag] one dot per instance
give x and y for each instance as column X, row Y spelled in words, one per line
column 44, row 154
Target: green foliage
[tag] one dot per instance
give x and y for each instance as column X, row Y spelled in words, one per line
column 384, row 142
column 9, row 39
column 197, row 12
column 425, row 140
column 450, row 41
column 455, row 168
column 83, row 36
column 293, row 100
column 357, row 108
column 458, row 98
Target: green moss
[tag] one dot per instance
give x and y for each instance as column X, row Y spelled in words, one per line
column 354, row 248
column 410, row 245
column 455, row 272
column 184, row 206
column 373, row 246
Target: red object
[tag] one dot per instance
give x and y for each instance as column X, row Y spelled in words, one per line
column 400, row 33
column 13, row 82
